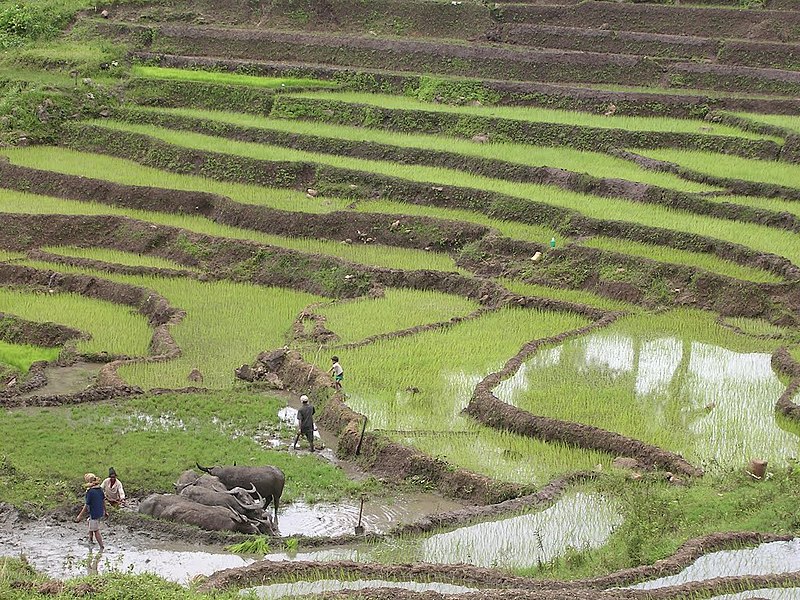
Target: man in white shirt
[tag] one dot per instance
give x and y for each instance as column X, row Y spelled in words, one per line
column 112, row 488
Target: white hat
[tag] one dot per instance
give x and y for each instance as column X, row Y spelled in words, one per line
column 303, row 398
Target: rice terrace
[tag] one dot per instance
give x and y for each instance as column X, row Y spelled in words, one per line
column 534, row 267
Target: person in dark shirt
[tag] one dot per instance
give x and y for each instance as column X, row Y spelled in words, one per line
column 95, row 505
column 305, row 423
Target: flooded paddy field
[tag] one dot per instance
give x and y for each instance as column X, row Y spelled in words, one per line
column 699, row 395
column 766, row 559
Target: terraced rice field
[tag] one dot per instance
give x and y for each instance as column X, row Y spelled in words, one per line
column 540, row 237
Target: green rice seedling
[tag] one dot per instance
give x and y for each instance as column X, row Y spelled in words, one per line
column 256, row 545
column 151, row 440
column 128, row 172
column 511, row 229
column 564, row 117
column 222, row 78
column 114, row 328
column 758, row 327
column 785, row 121
column 701, row 260
column 414, row 389
column 733, row 167
column 795, row 352
column 369, row 254
column 677, row 380
column 6, row 256
column 773, row 204
column 682, row 91
column 226, row 324
column 22, row 356
column 577, row 296
column 758, row 237
column 117, row 257
column 398, row 309
column 596, row 164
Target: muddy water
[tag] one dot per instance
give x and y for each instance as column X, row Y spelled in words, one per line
column 774, row 557
column 576, row 521
column 61, row 551
column 379, row 516
column 716, row 404
column 67, row 380
column 303, row 588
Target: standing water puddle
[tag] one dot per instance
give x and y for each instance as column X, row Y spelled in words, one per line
column 766, row 559
column 61, row 551
column 714, row 405
column 380, row 515
column 304, row 588
column 578, row 521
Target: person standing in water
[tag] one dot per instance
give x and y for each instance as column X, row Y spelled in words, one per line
column 95, row 505
column 305, row 423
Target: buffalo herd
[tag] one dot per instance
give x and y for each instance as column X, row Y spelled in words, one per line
column 222, row 499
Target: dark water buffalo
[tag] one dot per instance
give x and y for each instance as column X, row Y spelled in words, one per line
column 209, row 490
column 268, row 481
column 184, row 510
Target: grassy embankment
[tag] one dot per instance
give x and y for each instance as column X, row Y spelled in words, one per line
column 381, row 256
column 62, row 160
column 596, row 164
column 758, row 237
column 733, row 167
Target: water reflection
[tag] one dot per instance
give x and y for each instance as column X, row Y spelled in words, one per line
column 774, row 557
column 579, row 521
column 305, row 588
column 713, row 405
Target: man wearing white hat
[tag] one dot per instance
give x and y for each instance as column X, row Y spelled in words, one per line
column 305, row 422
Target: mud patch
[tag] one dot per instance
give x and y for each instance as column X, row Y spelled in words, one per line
column 68, row 379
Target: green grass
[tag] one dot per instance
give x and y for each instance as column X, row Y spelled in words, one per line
column 563, row 117
column 382, row 256
column 116, row 257
column 677, row 380
column 150, row 441
column 444, row 367
column 577, row 296
column 223, row 78
column 773, row 204
column 733, row 167
column 22, row 356
column 399, row 309
column 786, row 121
column 226, row 324
column 701, row 260
column 128, row 172
column 596, row 164
column 756, row 236
column 129, row 335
